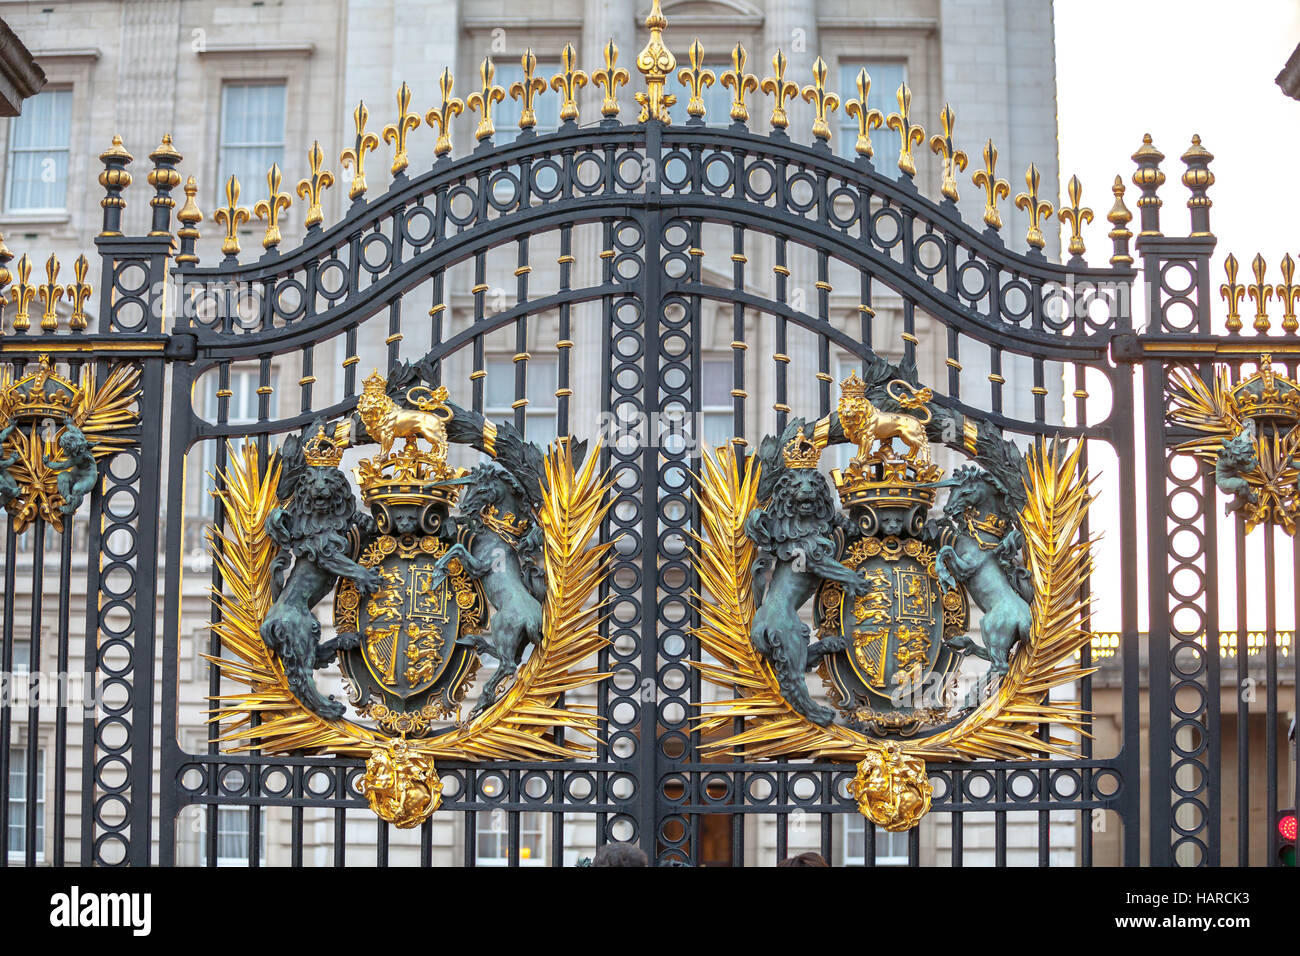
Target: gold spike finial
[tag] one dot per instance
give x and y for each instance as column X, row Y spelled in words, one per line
column 1260, row 292
column 567, row 82
column 525, row 90
column 441, row 116
column 954, row 159
column 656, row 63
column 395, row 133
column 994, row 188
column 50, row 292
column 740, row 83
column 823, row 101
column 611, row 78
column 189, row 216
column 481, row 101
column 1037, row 208
column 909, row 136
column 780, row 89
column 232, row 216
column 1233, row 292
column 697, row 78
column 868, row 119
column 22, row 294
column 1076, row 215
column 271, row 207
column 79, row 292
column 1287, row 294
column 1119, row 217
column 355, row 155
column 312, row 187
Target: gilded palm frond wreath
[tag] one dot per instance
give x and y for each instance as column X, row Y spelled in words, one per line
column 519, row 725
column 1005, row 726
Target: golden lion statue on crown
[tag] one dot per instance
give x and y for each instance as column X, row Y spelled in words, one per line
column 387, row 421
column 864, row 424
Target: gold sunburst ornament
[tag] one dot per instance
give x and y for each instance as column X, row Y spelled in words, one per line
column 891, row 787
column 417, row 625
column 1249, row 435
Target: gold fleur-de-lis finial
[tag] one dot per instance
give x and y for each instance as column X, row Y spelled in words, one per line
column 909, row 136
column 395, row 133
column 1233, row 292
column 822, row 99
column 954, row 159
column 78, row 294
column 22, row 294
column 232, row 215
column 740, row 83
column 994, row 188
column 1076, row 215
column 567, row 82
column 1037, row 208
column 611, row 78
column 271, row 207
column 779, row 88
column 1260, row 292
column 526, row 90
column 868, row 119
column 1287, row 294
column 51, row 292
column 656, row 63
column 355, row 155
column 312, row 187
column 698, row 78
column 441, row 116
column 480, row 101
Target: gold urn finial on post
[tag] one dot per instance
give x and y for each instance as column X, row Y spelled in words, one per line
column 189, row 216
column 656, row 63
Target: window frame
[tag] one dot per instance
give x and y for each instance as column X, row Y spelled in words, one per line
column 29, row 212
column 248, row 190
column 18, row 803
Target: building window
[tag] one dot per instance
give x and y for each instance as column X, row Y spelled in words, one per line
column 232, row 837
column 18, row 804
column 717, row 414
column 39, row 146
column 886, row 78
column 252, row 135
column 891, row 848
column 492, row 830
column 541, row 414
column 242, row 409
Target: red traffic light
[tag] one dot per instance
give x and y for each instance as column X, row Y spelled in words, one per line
column 1287, row 827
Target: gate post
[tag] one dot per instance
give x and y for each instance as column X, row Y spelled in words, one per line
column 1182, row 740
column 125, row 522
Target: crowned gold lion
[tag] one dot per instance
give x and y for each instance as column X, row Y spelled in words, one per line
column 387, row 421
column 864, row 424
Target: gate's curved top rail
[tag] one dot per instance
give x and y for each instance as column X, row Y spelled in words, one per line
column 387, row 243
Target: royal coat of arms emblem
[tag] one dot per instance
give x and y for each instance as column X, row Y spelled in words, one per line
column 889, row 582
column 438, row 568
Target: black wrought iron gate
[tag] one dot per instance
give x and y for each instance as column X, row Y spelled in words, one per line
column 654, row 266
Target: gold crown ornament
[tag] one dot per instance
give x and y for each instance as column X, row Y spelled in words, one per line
column 1268, row 397
column 801, row 452
column 41, row 394
column 324, row 450
column 411, row 475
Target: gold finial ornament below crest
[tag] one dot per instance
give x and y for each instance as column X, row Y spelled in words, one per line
column 892, row 788
column 401, row 785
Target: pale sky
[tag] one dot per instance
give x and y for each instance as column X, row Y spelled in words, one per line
column 1172, row 69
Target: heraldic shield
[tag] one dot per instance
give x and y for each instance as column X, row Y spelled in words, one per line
column 442, row 567
column 891, row 578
